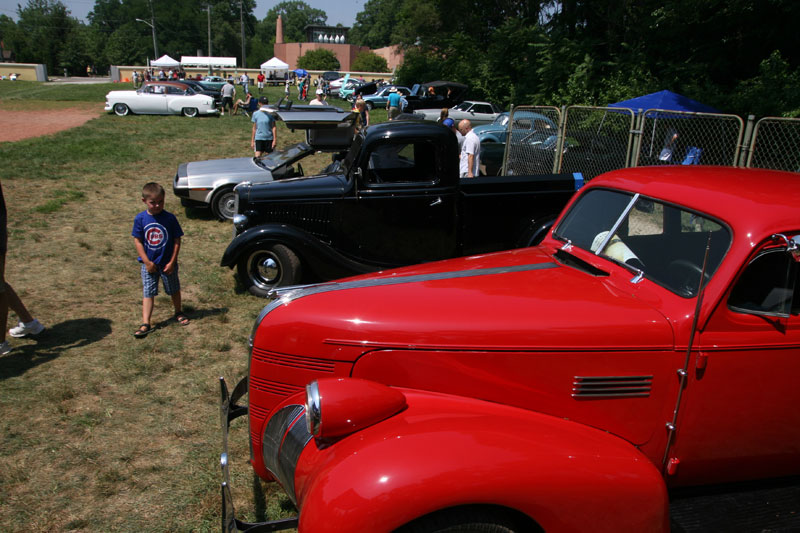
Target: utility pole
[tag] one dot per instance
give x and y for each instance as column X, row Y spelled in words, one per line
column 153, row 27
column 241, row 22
column 208, row 8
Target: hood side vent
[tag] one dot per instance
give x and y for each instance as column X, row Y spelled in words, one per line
column 313, row 218
column 611, row 386
column 304, row 363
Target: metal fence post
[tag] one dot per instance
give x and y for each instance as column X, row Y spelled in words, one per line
column 503, row 171
column 746, row 146
column 560, row 140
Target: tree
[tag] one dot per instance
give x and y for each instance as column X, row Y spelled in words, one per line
column 320, row 59
column 43, row 27
column 296, row 15
column 374, row 25
column 369, row 62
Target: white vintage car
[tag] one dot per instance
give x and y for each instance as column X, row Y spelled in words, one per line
column 161, row 98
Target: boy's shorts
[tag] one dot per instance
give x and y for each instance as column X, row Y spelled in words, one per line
column 264, row 146
column 150, row 281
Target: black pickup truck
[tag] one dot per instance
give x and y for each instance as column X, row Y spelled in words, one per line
column 393, row 199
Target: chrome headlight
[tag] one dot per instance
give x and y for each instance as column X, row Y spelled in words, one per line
column 313, row 414
column 239, row 223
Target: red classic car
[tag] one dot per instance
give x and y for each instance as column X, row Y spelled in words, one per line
column 651, row 342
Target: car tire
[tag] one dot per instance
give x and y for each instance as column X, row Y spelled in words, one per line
column 370, row 105
column 262, row 269
column 222, row 203
column 189, row 112
column 121, row 110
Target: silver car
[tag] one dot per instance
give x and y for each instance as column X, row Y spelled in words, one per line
column 477, row 113
column 211, row 183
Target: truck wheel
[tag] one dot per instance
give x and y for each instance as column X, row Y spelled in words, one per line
column 263, row 269
column 461, row 520
column 222, row 203
column 121, row 110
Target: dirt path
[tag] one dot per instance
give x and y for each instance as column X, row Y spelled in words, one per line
column 17, row 125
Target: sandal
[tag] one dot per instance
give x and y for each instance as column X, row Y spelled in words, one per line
column 143, row 331
column 182, row 319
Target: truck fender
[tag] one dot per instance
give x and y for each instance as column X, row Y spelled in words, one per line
column 536, row 230
column 446, row 451
column 324, row 260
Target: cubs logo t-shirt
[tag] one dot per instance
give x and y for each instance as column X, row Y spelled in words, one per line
column 158, row 234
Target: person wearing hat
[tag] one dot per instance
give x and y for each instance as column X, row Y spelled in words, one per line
column 319, row 99
column 393, row 103
column 451, row 125
column 265, row 135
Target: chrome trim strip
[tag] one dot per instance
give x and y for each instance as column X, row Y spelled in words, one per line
column 281, row 444
column 617, row 224
column 289, row 294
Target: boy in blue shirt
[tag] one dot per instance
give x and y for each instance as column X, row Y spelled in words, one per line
column 157, row 237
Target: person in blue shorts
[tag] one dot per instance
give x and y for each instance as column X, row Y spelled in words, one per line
column 157, row 237
column 264, row 136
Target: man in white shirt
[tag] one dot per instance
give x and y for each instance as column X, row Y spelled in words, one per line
column 318, row 99
column 470, row 163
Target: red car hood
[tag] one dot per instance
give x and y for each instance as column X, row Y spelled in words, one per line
column 518, row 300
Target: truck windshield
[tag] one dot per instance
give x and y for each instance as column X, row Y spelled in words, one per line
column 666, row 243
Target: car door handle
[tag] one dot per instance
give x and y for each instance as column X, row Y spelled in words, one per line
column 436, row 202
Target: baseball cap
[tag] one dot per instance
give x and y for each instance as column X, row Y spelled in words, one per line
column 320, row 91
column 448, row 122
column 264, row 100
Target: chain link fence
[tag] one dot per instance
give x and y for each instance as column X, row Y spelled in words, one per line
column 672, row 138
column 532, row 141
column 776, row 144
column 593, row 140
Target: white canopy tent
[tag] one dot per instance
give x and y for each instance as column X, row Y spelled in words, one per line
column 203, row 61
column 165, row 62
column 274, row 68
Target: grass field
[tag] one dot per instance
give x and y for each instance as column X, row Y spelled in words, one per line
column 100, row 431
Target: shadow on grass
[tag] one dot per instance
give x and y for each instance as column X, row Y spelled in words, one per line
column 198, row 213
column 52, row 342
column 193, row 315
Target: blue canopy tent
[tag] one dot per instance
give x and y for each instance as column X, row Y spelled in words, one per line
column 667, row 101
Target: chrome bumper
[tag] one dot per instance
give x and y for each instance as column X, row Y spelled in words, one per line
column 230, row 410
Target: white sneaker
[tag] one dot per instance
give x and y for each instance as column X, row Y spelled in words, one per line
column 5, row 348
column 34, row 327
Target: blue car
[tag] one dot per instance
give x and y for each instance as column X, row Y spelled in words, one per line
column 526, row 125
column 380, row 98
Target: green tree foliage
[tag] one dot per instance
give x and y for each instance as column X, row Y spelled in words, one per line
column 320, row 59
column 600, row 51
column 374, row 25
column 296, row 15
column 41, row 29
column 369, row 62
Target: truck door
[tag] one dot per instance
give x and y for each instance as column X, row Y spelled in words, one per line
column 740, row 418
column 405, row 210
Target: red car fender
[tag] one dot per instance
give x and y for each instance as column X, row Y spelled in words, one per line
column 445, row 451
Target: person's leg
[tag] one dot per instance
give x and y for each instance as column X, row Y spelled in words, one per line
column 172, row 286
column 16, row 305
column 147, row 309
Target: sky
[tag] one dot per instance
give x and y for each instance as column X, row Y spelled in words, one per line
column 338, row 11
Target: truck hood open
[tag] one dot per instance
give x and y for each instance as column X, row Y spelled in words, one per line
column 528, row 300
